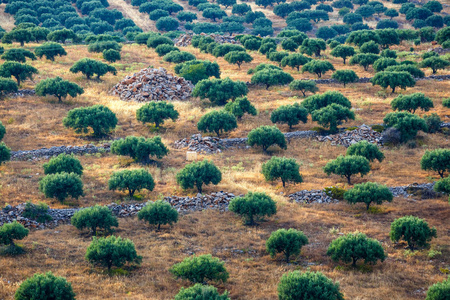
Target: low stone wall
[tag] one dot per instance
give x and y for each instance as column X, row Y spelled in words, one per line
column 45, row 153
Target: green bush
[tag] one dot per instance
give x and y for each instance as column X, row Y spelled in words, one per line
column 158, row 213
column 364, row 60
column 7, row 86
column 437, row 160
column 345, row 76
column 198, row 269
column 446, row 102
column 433, row 122
column 131, row 181
column 163, row 49
column 435, row 63
column 2, row 131
column 111, row 251
column 343, row 52
column 370, row 47
column 313, row 46
column 440, row 290
column 90, row 67
column 289, row 114
column 368, row 192
column 61, row 185
column 19, row 55
column 37, row 212
column 443, row 185
column 17, row 70
column 240, row 106
column 335, row 192
column 178, row 57
column 98, row 117
column 318, row 67
column 411, row 69
column 94, row 218
column 294, row 60
column 219, row 91
column 5, row 153
column 412, row 102
column 269, row 77
column 156, row 112
column 253, row 205
column 238, row 57
column 286, row 169
column 99, row 47
column 223, row 49
column 58, row 87
column 346, row 166
column 308, row 285
column 266, row 136
column 111, row 55
column 63, row 163
column 199, row 173
column 167, row 24
column 217, row 121
column 408, row 124
column 355, row 246
column 367, row 150
column 304, row 86
column 50, row 50
column 413, row 230
column 140, row 148
column 43, row 287
column 210, row 69
column 289, row 242
column 10, row 232
column 331, row 115
column 199, row 291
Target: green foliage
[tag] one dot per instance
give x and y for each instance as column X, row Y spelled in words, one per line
column 393, row 80
column 382, row 63
column 443, row 35
column 316, row 102
column 111, row 55
column 331, row 115
column 412, row 102
column 2, row 131
column 304, row 86
column 158, row 213
column 366, row 149
column 140, row 148
column 289, row 114
column 240, row 106
column 440, row 290
column 335, row 192
column 237, row 57
column 313, row 46
column 43, row 287
column 241, row 9
column 210, row 69
column 270, row 77
column 368, row 192
column 355, row 246
column 131, row 181
column 408, row 124
column 286, row 169
column 443, row 185
column 178, row 56
column 413, row 230
column 345, row 76
column 266, row 136
column 294, row 60
column 111, row 251
column 223, row 49
column 19, row 55
column 370, row 47
column 219, row 91
column 253, row 205
column 435, row 63
column 318, row 67
column 186, row 16
column 199, row 173
column 308, row 285
column 346, row 166
column 411, row 69
column 63, row 163
column 200, row 268
column 94, row 218
column 289, row 242
column 90, row 67
column 98, row 117
column 213, row 14
column 21, row 36
column 217, row 121
column 12, row 231
column 37, row 212
column 156, row 40
column 99, row 47
column 433, row 122
column 343, row 52
column 7, row 86
column 17, row 70
column 5, row 153
column 58, row 87
column 199, row 291
column 156, row 112
column 446, row 102
column 364, row 59
column 167, row 24
column 61, row 185
column 163, row 49
column 436, row 160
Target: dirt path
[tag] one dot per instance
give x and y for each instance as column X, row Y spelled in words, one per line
column 141, row 19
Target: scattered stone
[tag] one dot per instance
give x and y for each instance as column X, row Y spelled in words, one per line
column 351, row 137
column 311, row 196
column 46, row 153
column 185, row 39
column 22, row 93
column 153, row 84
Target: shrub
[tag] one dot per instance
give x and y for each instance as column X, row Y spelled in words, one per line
column 178, row 57
column 213, row 14
column 443, row 185
column 2, row 131
column 219, row 91
column 367, row 150
column 393, row 80
column 308, row 285
column 61, row 185
column 313, row 46
column 413, row 230
column 435, row 63
column 7, row 86
column 199, row 291
column 58, row 87
column 210, row 69
column 111, row 55
column 384, row 24
column 266, row 136
column 253, row 205
column 158, row 14
column 443, row 35
column 37, row 212
column 43, row 287
column 131, row 181
column 345, row 76
column 364, row 60
column 433, row 123
column 63, row 163
column 10, row 232
column 270, row 77
column 318, row 67
column 343, row 52
column 352, row 18
column 237, row 57
column 407, row 123
column 286, row 169
column 367, row 193
column 331, row 115
column 440, row 290
column 200, row 268
column 370, row 47
column 98, row 117
column 94, row 218
column 156, row 112
column 240, row 106
column 90, row 67
column 437, row 160
column 326, row 33
column 252, row 44
column 156, row 40
column 223, row 49
column 433, row 6
column 446, row 102
column 111, row 251
column 158, row 213
column 140, row 148
column 17, row 70
column 99, row 47
column 167, row 24
column 199, row 173
column 382, row 63
column 294, row 60
column 411, row 69
column 217, row 121
column 5, row 153
column 355, row 246
column 289, row 45
column 412, row 102
column 304, row 86
column 346, row 166
column 186, row 16
column 19, row 55
column 241, row 9
column 289, row 114
column 289, row 242
column 316, row 102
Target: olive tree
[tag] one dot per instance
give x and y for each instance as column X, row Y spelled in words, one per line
column 436, row 160
column 269, row 77
column 5, row 153
column 435, row 63
column 240, row 106
column 199, row 291
column 98, row 117
column 238, row 57
column 61, row 185
column 253, row 205
column 50, row 50
column 368, row 192
column 219, row 91
column 63, row 163
column 331, row 115
column 158, row 213
column 343, row 52
column 366, row 149
column 58, row 87
column 17, row 70
column 289, row 242
column 94, row 218
column 289, row 114
column 266, row 136
column 393, row 80
column 294, row 60
column 131, row 181
column 10, row 232
column 200, row 268
column 318, row 67
column 345, row 76
column 156, row 112
column 140, row 148
column 316, row 102
column 440, row 290
column 111, row 55
column 408, row 124
column 304, row 86
column 364, row 60
column 346, row 166
column 198, row 174
column 355, row 246
column 90, row 67
column 412, row 102
column 370, row 47
column 313, row 46
column 43, row 287
column 286, row 169
column 7, row 86
column 217, row 121
column 412, row 230
column 19, row 55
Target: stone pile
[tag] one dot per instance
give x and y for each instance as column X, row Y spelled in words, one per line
column 153, row 84
column 197, row 143
column 311, row 196
column 350, row 137
column 45, row 153
column 218, row 200
column 22, row 93
column 185, row 39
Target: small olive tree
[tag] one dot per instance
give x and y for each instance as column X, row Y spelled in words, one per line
column 43, row 287
column 131, row 181
column 240, row 106
column 10, row 232
column 408, row 124
column 197, row 174
column 368, row 192
column 238, row 57
column 393, row 80
column 219, row 91
column 90, row 67
column 289, row 114
column 50, row 50
column 200, row 268
column 440, row 290
column 94, row 218
column 413, row 230
column 343, row 52
column 63, row 163
column 331, row 115
column 253, row 205
column 156, row 112
column 17, row 70
column 200, row 291
column 304, row 86
column 266, row 136
column 318, row 67
column 437, row 160
column 98, row 117
column 58, row 87
column 269, row 77
column 412, row 102
column 61, row 185
column 217, row 121
column 289, row 242
column 366, row 149
column 140, row 148
column 286, row 169
column 346, row 166
column 345, row 76
column 7, row 86
column 158, row 213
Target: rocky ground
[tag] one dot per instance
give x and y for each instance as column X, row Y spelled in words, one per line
column 185, row 39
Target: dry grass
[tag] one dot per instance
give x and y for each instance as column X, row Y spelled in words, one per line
column 6, row 20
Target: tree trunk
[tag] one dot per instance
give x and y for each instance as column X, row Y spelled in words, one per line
column 94, row 230
column 319, row 75
column 287, row 257
column 441, row 173
column 348, row 179
column 130, row 192
column 267, row 86
column 22, row 43
column 344, row 61
column 239, row 65
column 199, row 187
column 304, row 93
column 393, row 89
column 18, row 80
column 298, row 68
column 367, row 206
column 59, row 98
column 156, row 124
column 354, row 262
column 284, row 183
column 344, row 84
column 159, row 226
